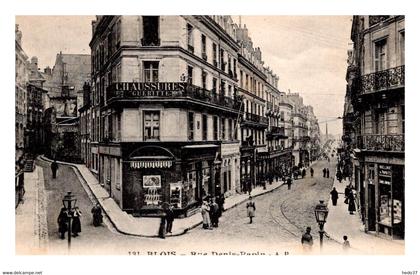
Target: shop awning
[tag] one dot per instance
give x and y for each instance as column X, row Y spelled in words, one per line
column 198, row 146
column 151, row 162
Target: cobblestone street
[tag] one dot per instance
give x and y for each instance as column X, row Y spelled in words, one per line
column 281, row 217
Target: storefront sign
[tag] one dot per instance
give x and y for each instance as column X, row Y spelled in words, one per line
column 385, row 170
column 397, row 211
column 176, row 194
column 151, row 181
column 152, row 186
column 143, row 89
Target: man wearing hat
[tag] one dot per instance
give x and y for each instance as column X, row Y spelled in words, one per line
column 307, row 240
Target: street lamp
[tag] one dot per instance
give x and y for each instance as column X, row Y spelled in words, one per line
column 321, row 213
column 69, row 202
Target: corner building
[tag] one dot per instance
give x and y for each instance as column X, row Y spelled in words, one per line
column 373, row 124
column 163, row 110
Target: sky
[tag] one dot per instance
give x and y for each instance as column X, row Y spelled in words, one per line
column 308, row 53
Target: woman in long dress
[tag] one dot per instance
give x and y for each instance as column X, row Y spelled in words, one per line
column 76, row 226
column 250, row 208
column 205, row 213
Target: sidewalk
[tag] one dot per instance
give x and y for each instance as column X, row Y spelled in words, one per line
column 340, row 223
column 145, row 226
column 30, row 216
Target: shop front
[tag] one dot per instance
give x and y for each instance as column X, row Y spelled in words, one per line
column 181, row 175
column 385, row 199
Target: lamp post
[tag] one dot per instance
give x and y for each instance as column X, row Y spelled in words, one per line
column 69, row 202
column 321, row 213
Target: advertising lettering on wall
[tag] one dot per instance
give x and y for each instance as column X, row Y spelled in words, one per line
column 176, row 194
column 152, row 186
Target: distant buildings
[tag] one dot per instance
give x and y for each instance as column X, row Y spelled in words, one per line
column 373, row 123
column 21, row 103
column 64, row 84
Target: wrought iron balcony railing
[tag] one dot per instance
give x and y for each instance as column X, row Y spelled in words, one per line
column 375, row 142
column 383, row 80
column 168, row 90
column 255, row 118
column 276, row 132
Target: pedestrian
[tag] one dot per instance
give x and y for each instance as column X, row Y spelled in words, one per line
column 312, row 172
column 250, row 208
column 307, row 240
column 346, row 243
column 324, row 172
column 334, row 196
column 289, row 183
column 170, row 216
column 205, row 209
column 352, row 205
column 162, row 226
column 76, row 226
column 97, row 215
column 214, row 213
column 303, row 173
column 328, row 173
column 270, row 178
column 347, row 191
column 62, row 222
column 339, row 175
column 220, row 200
column 54, row 168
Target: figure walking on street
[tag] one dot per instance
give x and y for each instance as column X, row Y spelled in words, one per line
column 352, row 205
column 97, row 215
column 170, row 216
column 220, row 200
column 303, row 173
column 250, row 208
column 328, row 173
column 312, row 172
column 307, row 240
column 62, row 222
column 289, row 183
column 76, row 226
column 54, row 168
column 214, row 213
column 162, row 226
column 205, row 209
column 346, row 243
column 324, row 172
column 347, row 191
column 334, row 196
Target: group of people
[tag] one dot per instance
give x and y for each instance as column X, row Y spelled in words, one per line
column 75, row 215
column 348, row 198
column 307, row 240
column 211, row 211
column 166, row 220
column 64, row 218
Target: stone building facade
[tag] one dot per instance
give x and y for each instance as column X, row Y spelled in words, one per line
column 373, row 124
column 180, row 108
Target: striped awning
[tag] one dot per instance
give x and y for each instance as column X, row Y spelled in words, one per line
column 150, row 164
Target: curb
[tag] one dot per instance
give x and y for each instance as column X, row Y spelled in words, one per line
column 81, row 178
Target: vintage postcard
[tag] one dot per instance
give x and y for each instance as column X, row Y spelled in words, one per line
column 210, row 135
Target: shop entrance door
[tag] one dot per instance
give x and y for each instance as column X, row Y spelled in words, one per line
column 371, row 208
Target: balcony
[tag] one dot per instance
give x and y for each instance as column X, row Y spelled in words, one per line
column 129, row 92
column 376, row 142
column 150, row 42
column 377, row 19
column 276, row 132
column 383, row 80
column 253, row 119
